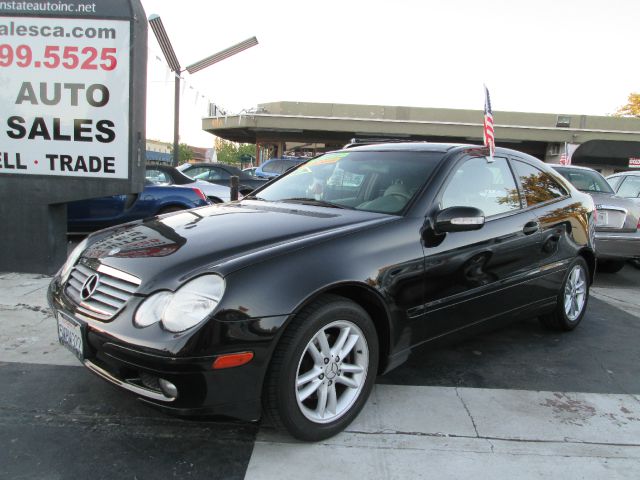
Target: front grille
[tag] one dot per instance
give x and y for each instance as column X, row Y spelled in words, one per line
column 114, row 288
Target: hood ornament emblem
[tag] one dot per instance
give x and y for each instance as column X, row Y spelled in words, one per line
column 89, row 286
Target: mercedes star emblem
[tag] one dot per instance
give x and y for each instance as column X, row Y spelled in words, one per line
column 89, row 286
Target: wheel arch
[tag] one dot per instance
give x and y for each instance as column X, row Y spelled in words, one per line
column 170, row 208
column 589, row 257
column 371, row 301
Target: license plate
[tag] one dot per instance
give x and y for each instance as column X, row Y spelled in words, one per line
column 70, row 335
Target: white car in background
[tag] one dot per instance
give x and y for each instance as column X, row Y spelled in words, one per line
column 626, row 184
column 166, row 175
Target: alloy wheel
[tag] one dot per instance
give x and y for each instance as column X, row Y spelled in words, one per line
column 332, row 371
column 575, row 293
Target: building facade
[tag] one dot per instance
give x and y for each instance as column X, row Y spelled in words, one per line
column 306, row 129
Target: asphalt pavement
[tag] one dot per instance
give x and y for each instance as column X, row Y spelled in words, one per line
column 519, row 402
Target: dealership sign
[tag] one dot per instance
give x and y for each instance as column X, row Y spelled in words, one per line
column 73, row 77
column 634, row 162
column 63, row 91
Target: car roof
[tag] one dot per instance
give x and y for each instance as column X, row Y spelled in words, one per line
column 210, row 164
column 634, row 173
column 406, row 146
column 287, row 159
column 478, row 150
column 572, row 167
column 178, row 176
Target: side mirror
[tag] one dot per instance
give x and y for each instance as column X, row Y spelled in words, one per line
column 459, row 219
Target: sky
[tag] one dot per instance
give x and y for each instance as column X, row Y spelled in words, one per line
column 547, row 56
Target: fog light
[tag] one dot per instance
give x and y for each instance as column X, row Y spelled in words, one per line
column 168, row 388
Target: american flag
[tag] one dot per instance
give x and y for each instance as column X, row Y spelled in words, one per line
column 565, row 158
column 489, row 138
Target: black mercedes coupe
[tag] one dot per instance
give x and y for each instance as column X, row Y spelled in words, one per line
column 291, row 301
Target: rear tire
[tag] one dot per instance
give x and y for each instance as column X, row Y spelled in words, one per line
column 323, row 369
column 572, row 300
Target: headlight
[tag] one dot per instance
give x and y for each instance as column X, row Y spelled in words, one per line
column 71, row 260
column 188, row 306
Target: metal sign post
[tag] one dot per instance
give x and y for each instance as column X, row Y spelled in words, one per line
column 72, row 122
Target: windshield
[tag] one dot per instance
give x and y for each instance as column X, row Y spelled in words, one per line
column 586, row 180
column 373, row 181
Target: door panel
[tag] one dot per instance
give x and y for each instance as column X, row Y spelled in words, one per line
column 475, row 275
column 471, row 276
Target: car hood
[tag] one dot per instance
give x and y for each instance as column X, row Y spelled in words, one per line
column 162, row 250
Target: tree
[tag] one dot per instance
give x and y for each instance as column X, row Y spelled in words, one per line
column 632, row 108
column 184, row 153
column 231, row 152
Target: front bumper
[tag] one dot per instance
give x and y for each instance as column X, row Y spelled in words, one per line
column 618, row 246
column 110, row 351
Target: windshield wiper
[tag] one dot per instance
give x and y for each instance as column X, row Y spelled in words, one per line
column 313, row 201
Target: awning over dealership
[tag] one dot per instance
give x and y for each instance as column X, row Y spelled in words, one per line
column 159, row 157
column 614, row 153
column 274, row 127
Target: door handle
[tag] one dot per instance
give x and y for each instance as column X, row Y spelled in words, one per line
column 530, row 227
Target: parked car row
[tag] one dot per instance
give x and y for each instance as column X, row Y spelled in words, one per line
column 221, row 173
column 291, row 301
column 89, row 215
column 166, row 175
column 618, row 221
column 275, row 167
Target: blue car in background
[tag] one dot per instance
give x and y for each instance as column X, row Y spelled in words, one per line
column 84, row 216
column 277, row 166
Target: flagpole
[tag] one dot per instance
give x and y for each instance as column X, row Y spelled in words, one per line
column 488, row 133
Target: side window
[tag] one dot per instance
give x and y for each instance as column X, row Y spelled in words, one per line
column 273, row 167
column 152, row 175
column 283, row 167
column 194, row 172
column 219, row 174
column 538, row 186
column 630, row 187
column 487, row 186
column 157, row 177
column 615, row 182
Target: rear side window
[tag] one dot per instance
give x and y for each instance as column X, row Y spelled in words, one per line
column 615, row 181
column 630, row 187
column 488, row 186
column 538, row 186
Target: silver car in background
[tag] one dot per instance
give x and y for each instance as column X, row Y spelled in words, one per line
column 626, row 184
column 617, row 227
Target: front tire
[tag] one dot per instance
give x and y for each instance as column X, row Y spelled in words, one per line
column 323, row 369
column 573, row 298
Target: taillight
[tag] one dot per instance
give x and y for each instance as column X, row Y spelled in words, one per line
column 199, row 193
